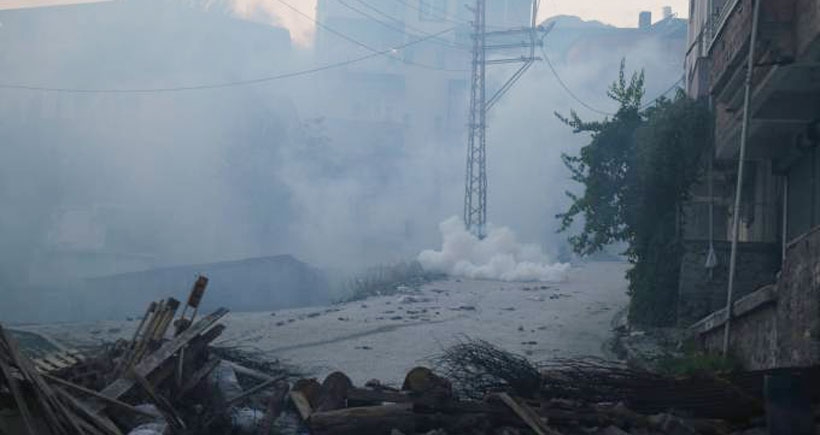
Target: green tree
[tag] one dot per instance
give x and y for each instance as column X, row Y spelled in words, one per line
column 636, row 172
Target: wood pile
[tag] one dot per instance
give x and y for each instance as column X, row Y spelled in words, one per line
column 426, row 404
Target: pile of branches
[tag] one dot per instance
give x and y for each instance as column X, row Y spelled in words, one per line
column 386, row 280
column 477, row 367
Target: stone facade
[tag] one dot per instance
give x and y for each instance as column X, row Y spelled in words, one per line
column 699, row 294
column 777, row 326
column 798, row 313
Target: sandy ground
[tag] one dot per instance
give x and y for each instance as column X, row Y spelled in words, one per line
column 384, row 337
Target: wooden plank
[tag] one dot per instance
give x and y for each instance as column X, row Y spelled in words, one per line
column 19, row 398
column 171, row 417
column 92, row 393
column 51, row 407
column 253, row 391
column 152, row 362
column 527, row 415
column 242, row 370
column 105, row 425
column 198, row 376
column 302, row 404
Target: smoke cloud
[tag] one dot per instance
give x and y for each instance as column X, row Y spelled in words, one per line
column 499, row 256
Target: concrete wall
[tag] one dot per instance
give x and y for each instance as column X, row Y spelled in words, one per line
column 776, row 326
column 699, row 294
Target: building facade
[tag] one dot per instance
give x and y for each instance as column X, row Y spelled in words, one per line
column 779, row 249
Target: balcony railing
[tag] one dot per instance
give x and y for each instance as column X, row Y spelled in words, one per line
column 717, row 21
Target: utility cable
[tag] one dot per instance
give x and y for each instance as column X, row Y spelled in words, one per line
column 215, row 85
column 568, row 90
column 354, row 41
column 593, row 109
column 398, row 22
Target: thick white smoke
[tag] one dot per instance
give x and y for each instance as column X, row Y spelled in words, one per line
column 498, row 256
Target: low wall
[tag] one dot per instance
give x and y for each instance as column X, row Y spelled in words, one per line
column 777, row 325
column 700, row 293
column 753, row 338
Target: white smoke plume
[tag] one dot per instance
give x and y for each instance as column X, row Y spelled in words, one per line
column 499, row 256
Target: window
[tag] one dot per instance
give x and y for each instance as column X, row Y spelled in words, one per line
column 432, row 10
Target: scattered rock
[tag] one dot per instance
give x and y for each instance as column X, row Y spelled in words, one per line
column 464, row 308
column 521, row 328
column 273, row 313
column 311, row 315
column 344, row 319
column 280, row 323
column 364, row 347
column 509, row 309
column 396, row 318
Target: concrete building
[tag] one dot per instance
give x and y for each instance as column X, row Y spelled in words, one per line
column 776, row 307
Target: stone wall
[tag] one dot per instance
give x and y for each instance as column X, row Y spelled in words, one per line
column 754, row 333
column 798, row 314
column 699, row 294
column 779, row 325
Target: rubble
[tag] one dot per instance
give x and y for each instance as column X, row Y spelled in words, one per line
column 168, row 379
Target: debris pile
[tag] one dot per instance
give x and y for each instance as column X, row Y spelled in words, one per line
column 167, row 379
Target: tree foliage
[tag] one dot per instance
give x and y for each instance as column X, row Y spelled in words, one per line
column 637, row 171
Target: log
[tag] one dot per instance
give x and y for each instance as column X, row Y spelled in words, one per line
column 310, row 388
column 367, row 396
column 274, row 407
column 302, row 404
column 365, row 420
column 333, row 394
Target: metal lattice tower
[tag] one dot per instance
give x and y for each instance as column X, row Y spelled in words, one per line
column 475, row 194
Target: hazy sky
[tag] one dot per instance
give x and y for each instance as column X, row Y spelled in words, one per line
column 623, row 13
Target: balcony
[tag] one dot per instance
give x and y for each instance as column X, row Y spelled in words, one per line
column 786, row 79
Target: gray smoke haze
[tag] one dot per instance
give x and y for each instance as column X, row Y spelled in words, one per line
column 94, row 184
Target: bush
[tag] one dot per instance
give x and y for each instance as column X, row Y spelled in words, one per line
column 386, row 280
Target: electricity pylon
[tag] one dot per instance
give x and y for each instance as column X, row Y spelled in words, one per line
column 475, row 194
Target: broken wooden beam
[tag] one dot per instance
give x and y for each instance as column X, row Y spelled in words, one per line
column 527, row 415
column 96, row 395
column 155, row 360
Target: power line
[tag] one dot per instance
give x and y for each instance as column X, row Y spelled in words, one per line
column 593, row 109
column 442, row 42
column 663, row 94
column 215, row 85
column 568, row 90
column 357, row 42
column 442, row 17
